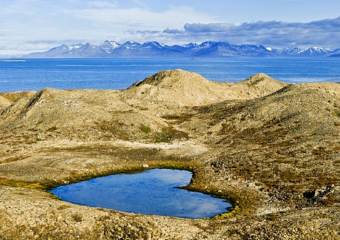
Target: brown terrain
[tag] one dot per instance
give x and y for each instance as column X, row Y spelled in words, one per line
column 270, row 147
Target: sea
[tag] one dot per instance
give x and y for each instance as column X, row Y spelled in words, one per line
column 36, row 74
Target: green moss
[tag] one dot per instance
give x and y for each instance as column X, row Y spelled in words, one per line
column 63, row 207
column 233, row 213
column 77, row 217
column 21, row 184
column 114, row 128
column 337, row 113
column 178, row 118
column 145, row 129
column 52, row 129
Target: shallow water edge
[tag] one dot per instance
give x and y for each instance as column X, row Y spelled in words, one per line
column 162, row 192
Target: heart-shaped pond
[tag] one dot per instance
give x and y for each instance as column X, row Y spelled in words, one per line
column 155, row 191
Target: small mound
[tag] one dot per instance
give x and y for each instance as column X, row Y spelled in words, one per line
column 309, row 109
column 171, row 78
column 261, row 79
column 260, row 85
column 177, row 87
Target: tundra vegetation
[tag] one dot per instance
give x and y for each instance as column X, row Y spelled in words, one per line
column 270, row 147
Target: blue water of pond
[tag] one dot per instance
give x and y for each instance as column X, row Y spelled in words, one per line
column 152, row 192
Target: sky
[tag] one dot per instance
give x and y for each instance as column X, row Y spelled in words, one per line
column 36, row 25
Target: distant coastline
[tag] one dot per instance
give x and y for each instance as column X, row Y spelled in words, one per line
column 212, row 49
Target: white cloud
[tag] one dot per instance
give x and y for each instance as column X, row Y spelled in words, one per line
column 324, row 33
column 25, row 21
column 35, row 25
column 101, row 4
column 135, row 18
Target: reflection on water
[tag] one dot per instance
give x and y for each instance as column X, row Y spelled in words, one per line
column 150, row 192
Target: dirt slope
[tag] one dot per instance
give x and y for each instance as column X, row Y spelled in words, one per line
column 4, row 102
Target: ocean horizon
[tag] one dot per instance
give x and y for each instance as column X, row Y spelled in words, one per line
column 24, row 74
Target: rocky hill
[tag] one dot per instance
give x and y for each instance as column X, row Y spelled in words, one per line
column 270, row 147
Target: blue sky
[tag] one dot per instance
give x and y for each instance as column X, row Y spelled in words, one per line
column 34, row 25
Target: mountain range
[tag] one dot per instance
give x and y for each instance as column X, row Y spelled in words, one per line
column 114, row 49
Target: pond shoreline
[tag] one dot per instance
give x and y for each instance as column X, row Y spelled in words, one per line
column 62, row 194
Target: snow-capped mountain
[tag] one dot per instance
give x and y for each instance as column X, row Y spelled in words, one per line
column 224, row 49
column 315, row 51
column 109, row 46
column 155, row 49
column 75, row 51
column 335, row 53
column 303, row 52
column 308, row 52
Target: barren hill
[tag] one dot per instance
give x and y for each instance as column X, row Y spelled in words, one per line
column 270, row 147
column 84, row 114
column 293, row 135
column 179, row 87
